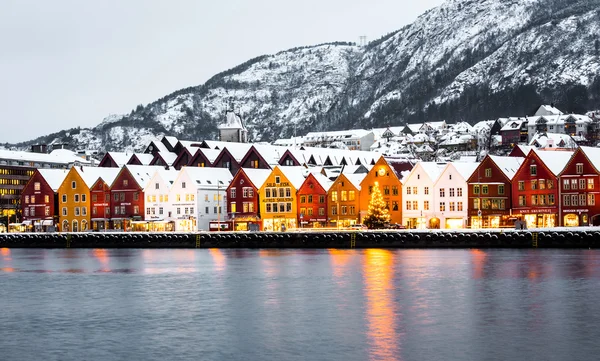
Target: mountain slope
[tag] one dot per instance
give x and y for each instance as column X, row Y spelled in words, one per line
column 465, row 60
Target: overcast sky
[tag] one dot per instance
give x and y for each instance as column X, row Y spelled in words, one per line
column 69, row 63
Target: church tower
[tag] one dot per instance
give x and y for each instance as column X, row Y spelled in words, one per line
column 233, row 130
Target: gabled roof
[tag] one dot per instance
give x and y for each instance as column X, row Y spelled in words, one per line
column 513, row 124
column 205, row 177
column 554, row 160
column 257, row 176
column 232, row 121
column 508, row 165
column 322, row 180
column 295, row 175
column 171, row 140
column 144, row 158
column 119, row 158
column 552, row 140
column 547, row 110
column 355, row 178
column 593, row 154
column 54, row 177
column 140, row 173
column 465, row 169
column 90, row 175
column 168, row 176
column 168, row 157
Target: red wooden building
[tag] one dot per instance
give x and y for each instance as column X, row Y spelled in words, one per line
column 490, row 192
column 242, row 198
column 579, row 189
column 39, row 199
column 312, row 201
column 535, row 188
column 100, row 205
column 127, row 195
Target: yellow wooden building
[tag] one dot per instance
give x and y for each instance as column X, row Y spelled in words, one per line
column 278, row 198
column 383, row 175
column 74, row 201
column 343, row 200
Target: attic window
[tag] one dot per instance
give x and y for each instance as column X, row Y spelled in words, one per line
column 418, row 176
column 209, row 182
column 197, row 181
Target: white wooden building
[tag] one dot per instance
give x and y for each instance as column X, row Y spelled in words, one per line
column 450, row 195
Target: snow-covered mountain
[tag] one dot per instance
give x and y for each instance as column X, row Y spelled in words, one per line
column 467, row 60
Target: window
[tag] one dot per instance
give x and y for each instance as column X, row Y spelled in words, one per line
column 534, row 200
column 277, row 179
column 426, row 191
column 267, row 192
column 321, row 211
column 534, row 184
column 156, row 186
column 408, row 190
column 451, row 192
column 215, row 210
column 386, row 190
column 459, row 206
column 415, row 205
column 64, row 211
column 281, row 192
column 459, row 192
column 501, row 189
column 549, row 183
column 77, row 212
column 116, row 210
column 94, row 198
column 581, row 183
column 394, row 206
column 76, row 197
column 582, row 199
column 425, row 205
column 521, row 185
column 344, row 210
column 36, row 186
column 125, row 182
column 64, row 198
column 232, row 193
column 542, row 183
column 26, row 199
column 484, row 189
column 533, row 170
column 26, row 212
column 394, row 191
column 345, row 195
column 47, row 211
column 566, row 200
column 122, row 196
column 334, row 196
column 475, row 189
column 288, row 207
column 351, row 195
column 106, row 197
column 46, row 199
column 442, row 206
column 550, row 199
column 73, row 185
column 84, row 211
column 302, row 200
column 122, row 209
column 408, row 205
column 566, row 184
column 442, row 192
column 574, row 200
column 542, row 200
column 334, row 210
column 452, row 206
column 415, row 190
column 573, row 183
column 591, row 199
column 476, row 203
column 233, row 207
column 352, row 210
column 488, row 172
column 136, row 196
column 590, row 184
column 579, row 168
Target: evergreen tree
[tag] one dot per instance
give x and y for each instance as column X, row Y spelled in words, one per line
column 378, row 215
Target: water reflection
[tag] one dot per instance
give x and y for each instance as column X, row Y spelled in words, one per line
column 219, row 259
column 378, row 270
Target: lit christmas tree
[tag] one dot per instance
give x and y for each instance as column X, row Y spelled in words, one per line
column 378, row 215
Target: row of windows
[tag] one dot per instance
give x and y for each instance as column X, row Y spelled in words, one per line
column 483, row 189
column 246, row 207
column 31, row 199
column 453, row 206
column 76, row 198
column 247, row 192
column 579, row 199
column 458, row 193
column 216, row 210
column 415, row 190
column 580, row 183
column 309, row 211
column 344, row 196
column 120, row 196
column 344, row 210
column 278, row 207
column 77, row 211
column 536, row 184
column 309, row 198
column 121, row 210
column 278, row 192
column 30, row 211
column 489, row 203
column 13, row 182
column 4, row 171
column 95, row 197
column 386, row 190
column 414, row 205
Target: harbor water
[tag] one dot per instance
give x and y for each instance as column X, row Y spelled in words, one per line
column 371, row 304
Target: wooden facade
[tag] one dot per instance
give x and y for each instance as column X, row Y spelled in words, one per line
column 312, row 203
column 383, row 175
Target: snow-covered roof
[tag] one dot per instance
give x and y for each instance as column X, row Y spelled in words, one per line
column 463, row 168
column 461, row 127
column 232, row 121
column 120, row 158
column 295, row 175
column 552, row 140
column 210, row 154
column 204, row 177
column 547, row 110
column 145, row 158
column 62, row 157
column 508, row 165
column 356, row 178
column 323, row 180
column 414, row 127
column 593, row 154
column 171, row 140
column 168, row 157
column 513, row 124
column 257, row 176
column 237, row 150
column 335, row 135
column 54, row 177
column 270, row 153
column 90, row 175
column 555, row 160
column 432, row 169
column 168, row 176
column 141, row 173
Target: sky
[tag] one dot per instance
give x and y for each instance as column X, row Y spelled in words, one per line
column 70, row 63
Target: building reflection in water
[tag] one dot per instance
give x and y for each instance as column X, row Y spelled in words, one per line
column 378, row 271
column 478, row 259
column 102, row 256
column 219, row 259
column 339, row 262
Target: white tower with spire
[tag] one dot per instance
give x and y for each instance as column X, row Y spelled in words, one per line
column 233, row 129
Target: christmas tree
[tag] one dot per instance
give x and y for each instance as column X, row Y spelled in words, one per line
column 378, row 215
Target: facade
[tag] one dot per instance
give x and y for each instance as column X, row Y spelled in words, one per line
column 451, row 194
column 384, row 176
column 418, row 196
column 312, row 201
column 101, row 203
column 39, row 200
column 278, row 203
column 490, row 192
column 242, row 198
column 535, row 188
column 127, row 195
column 343, row 200
column 198, row 197
column 580, row 189
column 514, row 131
column 157, row 215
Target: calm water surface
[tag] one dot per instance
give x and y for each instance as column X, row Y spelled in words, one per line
column 299, row 304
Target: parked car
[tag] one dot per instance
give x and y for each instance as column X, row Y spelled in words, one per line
column 396, row 226
column 358, row 227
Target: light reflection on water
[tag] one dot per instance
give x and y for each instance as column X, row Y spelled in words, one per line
column 215, row 304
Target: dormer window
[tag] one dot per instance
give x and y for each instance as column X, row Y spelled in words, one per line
column 579, row 167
